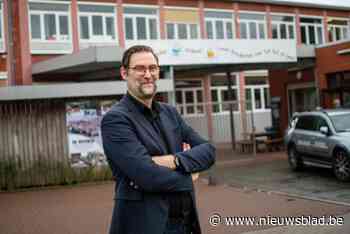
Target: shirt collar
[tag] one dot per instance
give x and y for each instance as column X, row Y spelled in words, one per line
column 153, row 112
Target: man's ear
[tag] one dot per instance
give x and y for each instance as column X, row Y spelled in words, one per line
column 124, row 73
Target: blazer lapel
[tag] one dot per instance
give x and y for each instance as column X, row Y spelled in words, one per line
column 144, row 122
column 166, row 122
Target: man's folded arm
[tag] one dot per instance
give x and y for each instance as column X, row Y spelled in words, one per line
column 123, row 148
column 201, row 156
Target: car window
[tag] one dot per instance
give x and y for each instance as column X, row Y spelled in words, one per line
column 320, row 122
column 341, row 122
column 306, row 122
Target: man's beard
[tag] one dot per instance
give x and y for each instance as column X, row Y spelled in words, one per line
column 145, row 93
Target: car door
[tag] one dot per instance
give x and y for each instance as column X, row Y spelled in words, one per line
column 320, row 142
column 302, row 133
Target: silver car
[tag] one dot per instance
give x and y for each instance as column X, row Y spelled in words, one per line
column 320, row 138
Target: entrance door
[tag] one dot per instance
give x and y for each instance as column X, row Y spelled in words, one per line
column 301, row 99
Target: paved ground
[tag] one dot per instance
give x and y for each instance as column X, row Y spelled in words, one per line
column 86, row 209
column 271, row 172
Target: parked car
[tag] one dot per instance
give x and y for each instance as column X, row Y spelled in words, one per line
column 320, row 138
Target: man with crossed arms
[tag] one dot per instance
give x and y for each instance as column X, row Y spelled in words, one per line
column 143, row 140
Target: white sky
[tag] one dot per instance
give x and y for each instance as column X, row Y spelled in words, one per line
column 338, row 3
column 345, row 3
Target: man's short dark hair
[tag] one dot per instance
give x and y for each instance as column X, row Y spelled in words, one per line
column 136, row 49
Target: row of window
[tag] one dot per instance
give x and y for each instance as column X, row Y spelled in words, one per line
column 51, row 22
column 190, row 96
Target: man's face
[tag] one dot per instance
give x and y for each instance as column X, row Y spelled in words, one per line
column 141, row 75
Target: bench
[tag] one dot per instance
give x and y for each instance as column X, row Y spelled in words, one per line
column 275, row 144
column 244, row 146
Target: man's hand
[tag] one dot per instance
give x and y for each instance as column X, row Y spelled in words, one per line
column 169, row 161
column 165, row 161
column 195, row 176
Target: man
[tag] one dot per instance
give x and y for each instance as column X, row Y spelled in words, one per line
column 143, row 142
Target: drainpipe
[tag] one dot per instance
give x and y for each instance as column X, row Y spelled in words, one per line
column 10, row 45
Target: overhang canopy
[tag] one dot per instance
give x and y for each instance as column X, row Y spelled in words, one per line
column 104, row 61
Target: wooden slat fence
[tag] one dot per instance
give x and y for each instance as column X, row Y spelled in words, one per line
column 34, row 146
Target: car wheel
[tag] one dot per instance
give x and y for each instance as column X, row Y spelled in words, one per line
column 294, row 159
column 341, row 165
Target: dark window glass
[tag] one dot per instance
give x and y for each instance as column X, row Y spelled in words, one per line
column 110, row 26
column 97, row 25
column 170, row 31
column 84, row 27
column 306, row 123
column 303, row 35
column 275, row 31
column 129, row 32
column 291, row 31
column 229, row 30
column 312, row 35
column 141, row 28
column 209, row 27
column 253, row 30
column 219, row 29
column 243, row 30
column 283, row 29
column 50, row 27
column 63, row 25
column 35, row 26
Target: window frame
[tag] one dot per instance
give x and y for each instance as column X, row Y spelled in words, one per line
column 195, row 103
column 261, row 89
column 278, row 22
column 2, row 37
column 220, row 102
column 247, row 21
column 41, row 14
column 134, row 23
column 224, row 20
column 105, row 15
column 176, row 33
column 341, row 27
column 306, row 26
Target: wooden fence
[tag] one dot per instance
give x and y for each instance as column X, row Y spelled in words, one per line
column 34, row 146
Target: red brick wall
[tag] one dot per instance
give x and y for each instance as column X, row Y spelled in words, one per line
column 3, row 64
column 143, row 2
column 343, row 14
column 39, row 58
column 310, row 11
column 282, row 9
column 183, row 3
column 100, row 1
column 218, row 5
column 251, row 7
column 329, row 61
column 3, row 83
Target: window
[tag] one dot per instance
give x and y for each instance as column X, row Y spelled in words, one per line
column 220, row 96
column 49, row 21
column 252, row 26
column 189, row 97
column 140, row 23
column 257, row 93
column 283, row 27
column 338, row 29
column 219, row 25
column 1, row 27
column 306, row 123
column 311, row 31
column 181, row 31
column 97, row 23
